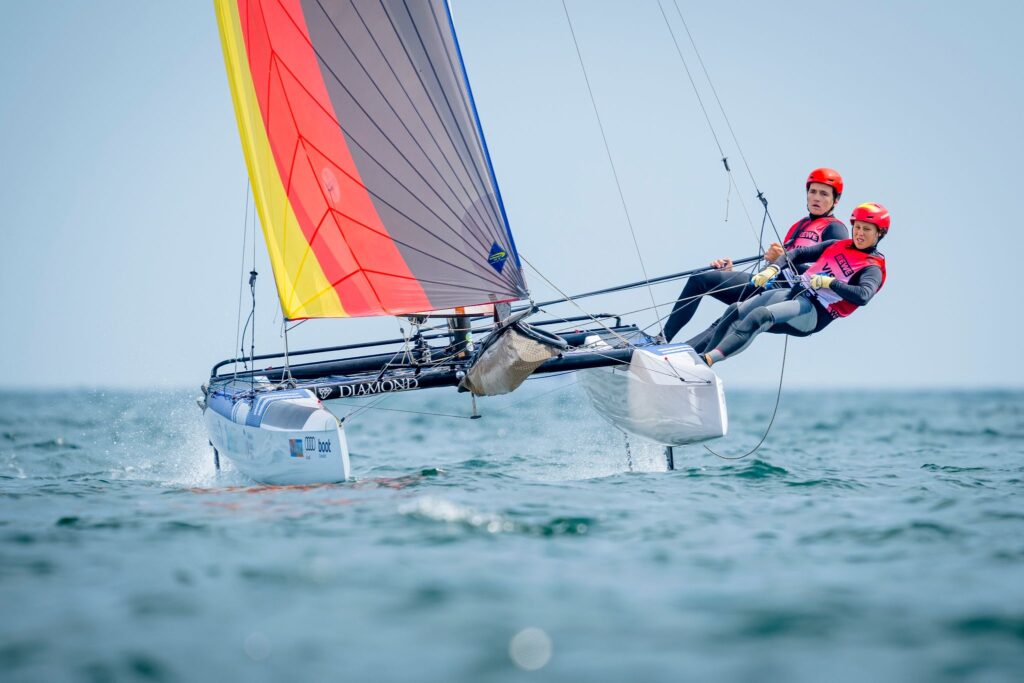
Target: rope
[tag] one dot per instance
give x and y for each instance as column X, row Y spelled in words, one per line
column 374, row 405
column 696, row 92
column 611, row 161
column 412, row 412
column 775, row 411
column 760, row 195
column 245, row 233
column 715, row 92
column 674, row 374
column 252, row 313
column 534, row 398
column 725, row 160
column 569, row 299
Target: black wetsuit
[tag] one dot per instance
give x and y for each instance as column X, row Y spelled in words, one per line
column 729, row 287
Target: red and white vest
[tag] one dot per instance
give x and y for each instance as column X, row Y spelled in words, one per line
column 808, row 232
column 842, row 261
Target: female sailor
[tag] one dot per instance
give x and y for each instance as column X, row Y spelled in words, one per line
column 844, row 275
column 824, row 187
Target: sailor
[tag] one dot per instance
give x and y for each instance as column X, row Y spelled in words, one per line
column 843, row 275
column 824, row 187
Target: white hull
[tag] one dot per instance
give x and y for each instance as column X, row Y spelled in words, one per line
column 665, row 395
column 282, row 454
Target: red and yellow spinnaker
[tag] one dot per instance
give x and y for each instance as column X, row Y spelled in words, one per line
column 369, row 167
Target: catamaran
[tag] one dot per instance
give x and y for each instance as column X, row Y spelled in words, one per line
column 377, row 197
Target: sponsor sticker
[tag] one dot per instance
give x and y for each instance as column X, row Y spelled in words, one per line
column 497, row 257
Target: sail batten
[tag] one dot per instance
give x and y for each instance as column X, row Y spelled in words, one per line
column 371, row 175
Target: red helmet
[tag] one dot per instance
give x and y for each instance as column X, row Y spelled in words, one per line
column 873, row 213
column 827, row 176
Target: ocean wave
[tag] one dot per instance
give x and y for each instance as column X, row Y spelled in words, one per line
column 916, row 531
column 924, row 427
column 990, row 625
column 57, row 443
column 760, row 469
column 434, row 509
column 931, row 467
column 828, row 483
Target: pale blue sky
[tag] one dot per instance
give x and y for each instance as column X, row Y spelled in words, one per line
column 124, row 185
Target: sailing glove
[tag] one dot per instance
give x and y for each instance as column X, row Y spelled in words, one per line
column 821, row 281
column 764, row 276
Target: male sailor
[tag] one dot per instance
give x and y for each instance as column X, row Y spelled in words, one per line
column 824, row 187
column 843, row 275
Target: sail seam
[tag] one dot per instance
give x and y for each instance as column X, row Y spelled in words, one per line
column 470, row 106
column 451, row 110
column 473, row 206
column 398, row 211
column 414, row 195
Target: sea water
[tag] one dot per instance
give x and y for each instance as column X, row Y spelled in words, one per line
column 874, row 536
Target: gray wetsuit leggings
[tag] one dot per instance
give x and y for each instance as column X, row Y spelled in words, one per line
column 749, row 318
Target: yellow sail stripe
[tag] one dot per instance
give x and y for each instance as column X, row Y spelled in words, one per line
column 302, row 287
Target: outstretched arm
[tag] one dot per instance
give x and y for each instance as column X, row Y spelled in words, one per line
column 861, row 287
column 803, row 254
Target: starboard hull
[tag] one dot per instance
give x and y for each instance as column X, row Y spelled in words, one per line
column 665, row 395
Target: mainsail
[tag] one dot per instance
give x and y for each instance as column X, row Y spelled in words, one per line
column 370, row 171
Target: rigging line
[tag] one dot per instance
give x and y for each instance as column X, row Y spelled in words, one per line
column 413, row 412
column 406, row 338
column 241, row 275
column 252, row 313
column 715, row 93
column 570, row 300
column 654, row 281
column 743, row 205
column 645, row 309
column 369, row 405
column 775, row 410
column 700, row 101
column 721, row 108
column 749, row 269
column 458, row 216
column 707, row 117
column 707, row 75
column 534, row 398
column 538, row 378
column 690, row 298
column 599, row 352
column 286, row 377
column 607, row 148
